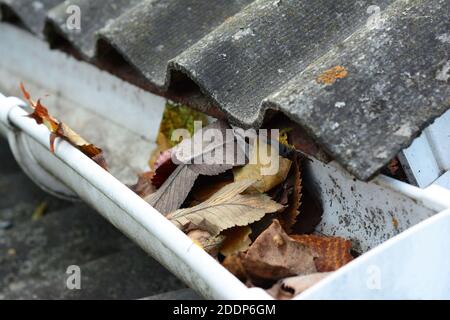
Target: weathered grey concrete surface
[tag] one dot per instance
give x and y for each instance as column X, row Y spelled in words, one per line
column 31, row 13
column 34, row 255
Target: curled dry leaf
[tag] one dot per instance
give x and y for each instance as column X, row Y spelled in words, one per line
column 290, row 287
column 171, row 195
column 144, row 185
column 207, row 242
column 289, row 216
column 227, row 208
column 332, row 252
column 93, row 152
column 174, row 191
column 310, row 213
column 61, row 130
column 234, row 264
column 274, row 255
column 237, row 239
column 256, row 167
column 289, row 194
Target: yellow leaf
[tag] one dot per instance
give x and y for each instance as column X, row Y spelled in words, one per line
column 39, row 211
column 255, row 170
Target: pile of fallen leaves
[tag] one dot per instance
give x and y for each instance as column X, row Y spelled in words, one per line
column 258, row 226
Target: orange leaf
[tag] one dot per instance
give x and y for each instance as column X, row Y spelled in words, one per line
column 332, row 252
column 60, row 130
column 95, row 153
column 25, row 93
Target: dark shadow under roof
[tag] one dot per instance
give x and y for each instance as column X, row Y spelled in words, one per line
column 362, row 78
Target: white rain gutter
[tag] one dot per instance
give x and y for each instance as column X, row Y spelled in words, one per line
column 121, row 206
column 161, row 239
column 363, row 212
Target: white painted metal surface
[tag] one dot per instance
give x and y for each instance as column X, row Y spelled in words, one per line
column 350, row 206
column 413, row 265
column 428, row 157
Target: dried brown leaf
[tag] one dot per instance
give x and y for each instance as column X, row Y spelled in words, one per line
column 289, row 216
column 174, row 191
column 236, row 240
column 206, row 186
column 207, row 242
column 234, row 264
column 171, row 195
column 61, row 130
column 144, row 186
column 274, row 255
column 332, row 252
column 40, row 113
column 92, row 151
column 310, row 213
column 227, row 208
column 289, row 194
column 174, row 117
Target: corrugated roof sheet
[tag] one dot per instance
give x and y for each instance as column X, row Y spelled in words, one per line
column 362, row 85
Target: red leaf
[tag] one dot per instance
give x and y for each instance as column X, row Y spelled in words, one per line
column 163, row 171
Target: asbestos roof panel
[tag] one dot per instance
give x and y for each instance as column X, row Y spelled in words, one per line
column 362, row 80
column 94, row 15
column 32, row 14
column 153, row 33
column 397, row 83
